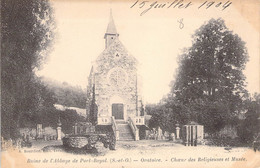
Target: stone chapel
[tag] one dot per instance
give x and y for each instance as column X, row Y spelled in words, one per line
column 114, row 93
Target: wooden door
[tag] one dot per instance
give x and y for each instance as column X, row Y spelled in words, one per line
column 118, row 111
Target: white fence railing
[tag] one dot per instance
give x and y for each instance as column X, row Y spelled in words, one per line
column 103, row 120
column 139, row 120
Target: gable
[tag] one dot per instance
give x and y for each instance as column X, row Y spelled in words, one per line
column 116, row 55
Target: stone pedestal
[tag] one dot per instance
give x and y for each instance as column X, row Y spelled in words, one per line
column 177, row 132
column 39, row 131
column 58, row 133
column 75, row 129
column 159, row 134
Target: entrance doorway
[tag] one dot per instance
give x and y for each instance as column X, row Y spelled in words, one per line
column 118, row 111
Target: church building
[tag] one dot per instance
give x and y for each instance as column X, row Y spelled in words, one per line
column 114, row 93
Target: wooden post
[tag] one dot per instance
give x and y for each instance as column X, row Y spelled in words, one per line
column 187, row 135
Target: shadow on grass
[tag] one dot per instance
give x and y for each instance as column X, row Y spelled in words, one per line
column 78, row 151
column 128, row 147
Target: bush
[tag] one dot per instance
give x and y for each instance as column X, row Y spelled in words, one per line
column 226, row 141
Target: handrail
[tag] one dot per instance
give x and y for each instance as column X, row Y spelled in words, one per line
column 134, row 129
column 131, row 122
column 114, row 127
column 113, row 122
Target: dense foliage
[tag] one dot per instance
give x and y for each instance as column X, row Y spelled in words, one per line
column 68, row 118
column 93, row 109
column 249, row 128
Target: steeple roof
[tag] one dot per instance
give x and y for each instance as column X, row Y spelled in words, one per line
column 111, row 28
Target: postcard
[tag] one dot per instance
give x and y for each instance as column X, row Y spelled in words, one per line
column 137, row 83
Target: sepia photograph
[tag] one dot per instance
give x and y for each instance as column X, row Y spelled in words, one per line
column 136, row 83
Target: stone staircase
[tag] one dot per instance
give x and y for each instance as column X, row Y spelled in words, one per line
column 125, row 132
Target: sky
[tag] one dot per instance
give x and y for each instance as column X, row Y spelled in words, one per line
column 155, row 39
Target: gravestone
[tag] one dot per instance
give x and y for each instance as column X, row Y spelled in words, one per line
column 166, row 135
column 172, row 136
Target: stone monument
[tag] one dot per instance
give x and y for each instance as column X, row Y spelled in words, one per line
column 39, row 131
column 59, row 130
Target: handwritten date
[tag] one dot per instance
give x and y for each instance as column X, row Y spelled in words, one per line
column 178, row 4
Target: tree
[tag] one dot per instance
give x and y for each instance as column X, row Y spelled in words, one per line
column 210, row 82
column 142, row 109
column 27, row 32
column 162, row 116
column 93, row 108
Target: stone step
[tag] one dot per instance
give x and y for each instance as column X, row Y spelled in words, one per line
column 122, row 125
column 125, row 134
column 126, row 139
column 124, row 128
column 121, row 122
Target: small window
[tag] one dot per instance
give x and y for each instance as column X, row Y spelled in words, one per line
column 117, row 55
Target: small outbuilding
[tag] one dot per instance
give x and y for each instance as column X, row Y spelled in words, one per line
column 192, row 133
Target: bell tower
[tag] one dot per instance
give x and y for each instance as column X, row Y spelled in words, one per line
column 111, row 33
